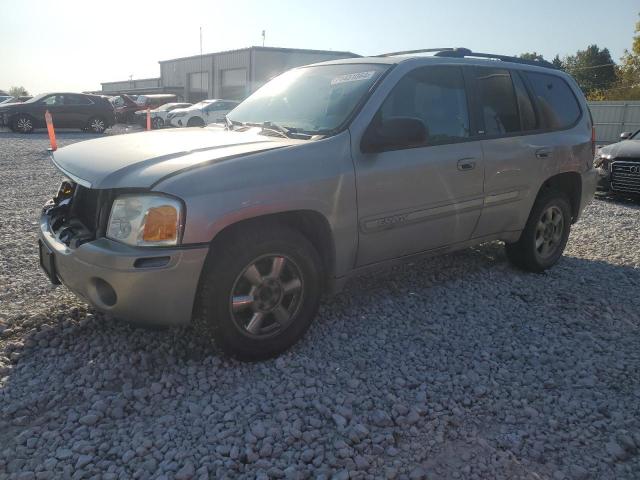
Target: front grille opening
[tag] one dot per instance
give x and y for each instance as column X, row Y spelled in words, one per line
column 77, row 222
column 625, row 176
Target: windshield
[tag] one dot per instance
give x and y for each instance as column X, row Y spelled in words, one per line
column 166, row 106
column 201, row 104
column 37, row 98
column 310, row 99
column 635, row 136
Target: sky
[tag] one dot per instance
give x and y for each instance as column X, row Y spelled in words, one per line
column 69, row 45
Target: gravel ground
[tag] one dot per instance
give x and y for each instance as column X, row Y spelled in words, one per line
column 455, row 367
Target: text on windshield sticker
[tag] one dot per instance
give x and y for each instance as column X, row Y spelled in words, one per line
column 352, row 77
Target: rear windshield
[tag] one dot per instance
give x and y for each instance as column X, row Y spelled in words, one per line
column 558, row 105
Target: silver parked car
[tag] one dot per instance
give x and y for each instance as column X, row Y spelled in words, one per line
column 325, row 172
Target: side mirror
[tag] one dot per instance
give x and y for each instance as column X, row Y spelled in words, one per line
column 394, row 133
column 625, row 135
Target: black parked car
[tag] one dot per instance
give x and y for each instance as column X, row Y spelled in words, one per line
column 619, row 166
column 68, row 110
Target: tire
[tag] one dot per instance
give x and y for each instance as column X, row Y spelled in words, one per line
column 545, row 235
column 157, row 122
column 23, row 124
column 271, row 311
column 96, row 125
column 195, row 122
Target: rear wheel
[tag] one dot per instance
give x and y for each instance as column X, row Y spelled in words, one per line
column 23, row 124
column 259, row 292
column 96, row 125
column 545, row 235
column 195, row 122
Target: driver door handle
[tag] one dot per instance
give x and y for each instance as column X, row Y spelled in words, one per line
column 466, row 164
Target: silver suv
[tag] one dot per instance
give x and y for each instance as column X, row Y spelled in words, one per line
column 325, row 172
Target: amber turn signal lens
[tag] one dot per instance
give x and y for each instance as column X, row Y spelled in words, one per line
column 161, row 224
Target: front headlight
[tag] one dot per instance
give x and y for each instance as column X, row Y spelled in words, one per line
column 602, row 161
column 146, row 220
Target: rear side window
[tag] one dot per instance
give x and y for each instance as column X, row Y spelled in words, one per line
column 435, row 95
column 558, row 105
column 527, row 113
column 76, row 100
column 498, row 104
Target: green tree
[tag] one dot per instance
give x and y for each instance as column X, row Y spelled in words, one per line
column 593, row 69
column 18, row 92
column 557, row 62
column 628, row 87
column 534, row 56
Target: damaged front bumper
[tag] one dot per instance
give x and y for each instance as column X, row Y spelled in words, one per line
column 152, row 285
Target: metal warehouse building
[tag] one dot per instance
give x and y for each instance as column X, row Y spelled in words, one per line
column 235, row 74
column 232, row 75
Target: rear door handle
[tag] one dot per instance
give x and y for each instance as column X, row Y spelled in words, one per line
column 465, row 164
column 544, row 153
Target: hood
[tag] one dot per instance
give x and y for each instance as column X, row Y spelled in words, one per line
column 139, row 160
column 624, row 149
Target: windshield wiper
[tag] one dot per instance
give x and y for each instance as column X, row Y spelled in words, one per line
column 274, row 127
column 230, row 124
column 286, row 132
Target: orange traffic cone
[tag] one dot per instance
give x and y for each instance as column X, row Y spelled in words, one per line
column 52, row 133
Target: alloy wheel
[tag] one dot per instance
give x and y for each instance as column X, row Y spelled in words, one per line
column 24, row 124
column 266, row 296
column 97, row 125
column 549, row 232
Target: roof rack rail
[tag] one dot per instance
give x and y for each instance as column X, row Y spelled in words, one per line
column 411, row 52
column 465, row 52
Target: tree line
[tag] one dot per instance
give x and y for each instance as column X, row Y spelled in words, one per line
column 598, row 75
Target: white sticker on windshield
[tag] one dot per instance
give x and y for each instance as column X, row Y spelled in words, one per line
column 352, row 77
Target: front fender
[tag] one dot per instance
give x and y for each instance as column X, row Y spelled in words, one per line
column 316, row 176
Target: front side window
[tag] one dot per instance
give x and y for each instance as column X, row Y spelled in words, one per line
column 53, row 100
column 316, row 99
column 558, row 106
column 212, row 107
column 436, row 96
column 497, row 98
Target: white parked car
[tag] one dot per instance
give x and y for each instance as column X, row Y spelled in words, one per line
column 159, row 115
column 202, row 113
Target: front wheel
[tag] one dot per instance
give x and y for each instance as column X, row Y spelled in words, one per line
column 157, row 122
column 545, row 235
column 195, row 122
column 96, row 125
column 23, row 124
column 259, row 292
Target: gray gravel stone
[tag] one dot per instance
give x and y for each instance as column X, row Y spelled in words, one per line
column 455, row 366
column 186, row 472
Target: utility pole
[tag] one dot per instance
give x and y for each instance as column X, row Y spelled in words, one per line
column 264, row 34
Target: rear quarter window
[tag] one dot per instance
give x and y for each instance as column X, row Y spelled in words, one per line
column 558, row 106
